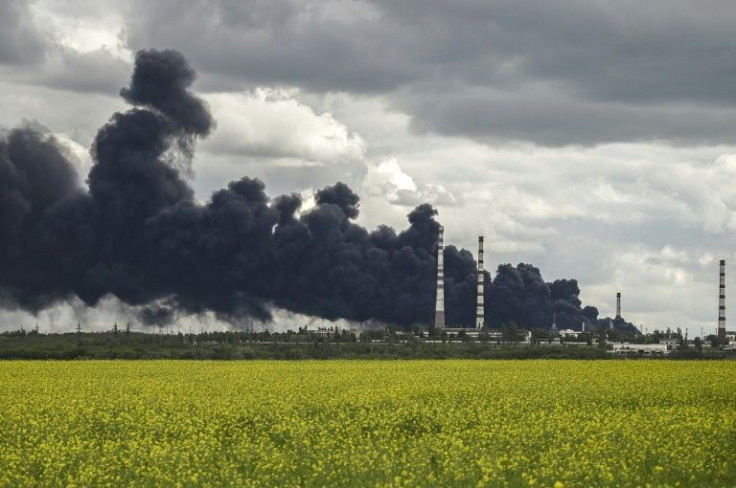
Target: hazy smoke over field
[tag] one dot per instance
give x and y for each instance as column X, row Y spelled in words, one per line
column 137, row 233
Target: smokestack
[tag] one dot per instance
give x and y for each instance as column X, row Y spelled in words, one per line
column 722, row 302
column 439, row 310
column 480, row 312
column 618, row 305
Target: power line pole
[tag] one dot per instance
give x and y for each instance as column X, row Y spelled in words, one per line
column 79, row 334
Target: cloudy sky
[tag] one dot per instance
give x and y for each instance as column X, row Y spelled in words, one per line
column 593, row 139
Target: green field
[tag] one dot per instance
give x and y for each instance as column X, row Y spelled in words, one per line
column 368, row 423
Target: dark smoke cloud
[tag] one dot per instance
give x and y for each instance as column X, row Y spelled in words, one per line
column 519, row 294
column 342, row 196
column 36, row 182
column 138, row 234
column 160, row 82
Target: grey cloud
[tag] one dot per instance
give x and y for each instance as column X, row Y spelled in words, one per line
column 64, row 45
column 21, row 42
column 32, row 52
column 74, row 113
column 283, row 42
column 95, row 71
column 554, row 119
column 408, row 198
column 568, row 72
column 625, row 51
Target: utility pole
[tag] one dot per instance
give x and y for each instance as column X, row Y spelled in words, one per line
column 79, row 334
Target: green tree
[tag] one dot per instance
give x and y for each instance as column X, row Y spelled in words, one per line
column 540, row 335
column 511, row 333
column 601, row 333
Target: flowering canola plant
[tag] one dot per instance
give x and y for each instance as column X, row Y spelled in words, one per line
column 368, row 423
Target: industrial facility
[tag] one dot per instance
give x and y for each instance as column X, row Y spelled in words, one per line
column 618, row 321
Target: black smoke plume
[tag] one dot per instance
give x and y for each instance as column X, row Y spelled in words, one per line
column 137, row 233
column 519, row 294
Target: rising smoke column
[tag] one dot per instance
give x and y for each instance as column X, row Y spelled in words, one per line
column 131, row 181
column 59, row 240
column 138, row 234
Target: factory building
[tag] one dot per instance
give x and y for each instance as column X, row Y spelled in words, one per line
column 626, row 349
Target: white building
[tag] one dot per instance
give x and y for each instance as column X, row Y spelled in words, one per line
column 627, row 349
column 570, row 333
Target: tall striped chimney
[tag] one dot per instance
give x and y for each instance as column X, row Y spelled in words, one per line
column 722, row 302
column 618, row 305
column 480, row 311
column 439, row 309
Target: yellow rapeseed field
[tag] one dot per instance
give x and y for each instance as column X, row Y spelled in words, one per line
column 368, row 423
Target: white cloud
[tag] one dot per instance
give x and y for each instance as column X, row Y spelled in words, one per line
column 386, row 179
column 64, row 317
column 84, row 26
column 77, row 154
column 284, row 320
column 273, row 124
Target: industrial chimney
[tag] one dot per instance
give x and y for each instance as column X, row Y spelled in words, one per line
column 618, row 306
column 480, row 312
column 439, row 310
column 722, row 302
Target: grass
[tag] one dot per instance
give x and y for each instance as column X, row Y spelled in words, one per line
column 368, row 423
